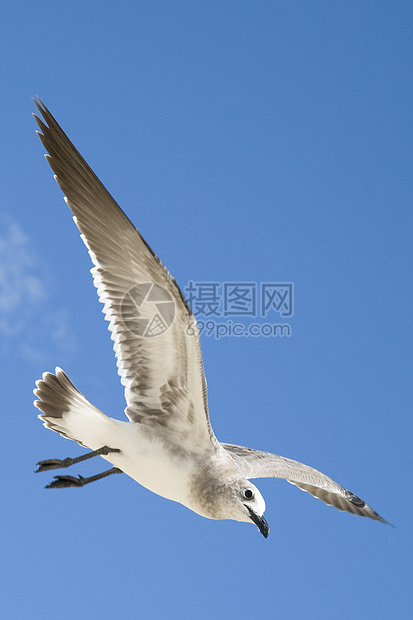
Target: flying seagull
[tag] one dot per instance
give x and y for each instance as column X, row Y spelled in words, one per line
column 167, row 444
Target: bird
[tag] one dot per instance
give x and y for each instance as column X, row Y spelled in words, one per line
column 167, row 443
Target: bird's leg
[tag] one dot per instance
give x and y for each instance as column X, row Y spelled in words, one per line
column 61, row 463
column 61, row 482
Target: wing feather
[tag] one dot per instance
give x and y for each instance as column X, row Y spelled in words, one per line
column 163, row 375
column 256, row 464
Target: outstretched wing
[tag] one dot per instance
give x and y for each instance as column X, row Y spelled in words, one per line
column 256, row 464
column 154, row 332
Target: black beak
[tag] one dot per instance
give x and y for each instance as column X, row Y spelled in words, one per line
column 260, row 522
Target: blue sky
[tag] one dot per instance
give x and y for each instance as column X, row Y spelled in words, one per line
column 248, row 142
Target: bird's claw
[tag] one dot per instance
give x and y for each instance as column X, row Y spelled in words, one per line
column 52, row 464
column 61, row 482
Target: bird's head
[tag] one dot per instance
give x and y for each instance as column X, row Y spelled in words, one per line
column 247, row 504
column 230, row 497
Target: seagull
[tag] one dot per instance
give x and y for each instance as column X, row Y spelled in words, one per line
column 167, row 445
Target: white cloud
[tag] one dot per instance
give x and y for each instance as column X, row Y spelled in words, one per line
column 18, row 283
column 28, row 319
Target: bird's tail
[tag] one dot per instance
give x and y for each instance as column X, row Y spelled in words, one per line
column 66, row 411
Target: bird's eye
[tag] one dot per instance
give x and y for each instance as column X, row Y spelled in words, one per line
column 248, row 494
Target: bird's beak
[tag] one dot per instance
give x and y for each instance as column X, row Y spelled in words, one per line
column 260, row 522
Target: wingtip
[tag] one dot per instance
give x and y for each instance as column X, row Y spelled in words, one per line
column 386, row 522
column 38, row 102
